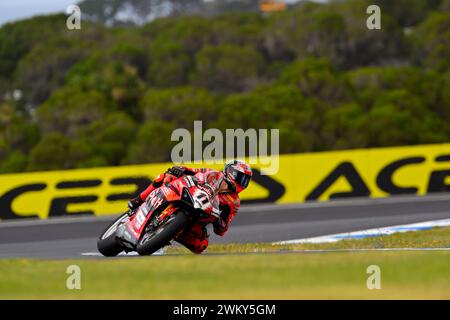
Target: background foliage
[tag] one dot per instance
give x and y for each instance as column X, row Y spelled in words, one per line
column 109, row 96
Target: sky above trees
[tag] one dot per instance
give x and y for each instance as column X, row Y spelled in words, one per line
column 13, row 10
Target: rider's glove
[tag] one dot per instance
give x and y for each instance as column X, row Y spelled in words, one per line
column 216, row 214
column 134, row 203
column 176, row 171
column 219, row 226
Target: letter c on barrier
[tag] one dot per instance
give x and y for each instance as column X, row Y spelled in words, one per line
column 6, row 200
column 384, row 178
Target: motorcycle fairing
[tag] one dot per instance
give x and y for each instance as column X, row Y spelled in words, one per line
column 164, row 201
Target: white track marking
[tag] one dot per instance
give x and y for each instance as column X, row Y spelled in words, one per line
column 369, row 249
column 96, row 254
column 160, row 252
column 370, row 232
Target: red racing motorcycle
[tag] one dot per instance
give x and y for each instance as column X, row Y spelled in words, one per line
column 165, row 214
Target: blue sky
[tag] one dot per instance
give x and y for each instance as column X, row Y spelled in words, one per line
column 11, row 10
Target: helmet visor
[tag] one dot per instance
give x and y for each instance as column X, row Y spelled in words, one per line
column 241, row 178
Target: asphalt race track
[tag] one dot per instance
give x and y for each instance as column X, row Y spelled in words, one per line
column 70, row 237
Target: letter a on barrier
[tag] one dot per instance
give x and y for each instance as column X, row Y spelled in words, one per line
column 347, row 170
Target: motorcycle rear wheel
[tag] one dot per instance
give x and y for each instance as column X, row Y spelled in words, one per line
column 107, row 244
column 156, row 239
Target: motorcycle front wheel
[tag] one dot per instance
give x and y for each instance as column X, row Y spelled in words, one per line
column 107, row 244
column 154, row 240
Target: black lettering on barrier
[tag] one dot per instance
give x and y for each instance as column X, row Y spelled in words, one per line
column 6, row 211
column 443, row 158
column 276, row 190
column 384, row 178
column 58, row 206
column 347, row 170
column 438, row 177
column 141, row 184
column 78, row 184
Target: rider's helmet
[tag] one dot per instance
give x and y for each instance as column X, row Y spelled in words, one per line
column 237, row 174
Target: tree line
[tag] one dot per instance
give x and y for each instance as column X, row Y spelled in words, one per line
column 109, row 96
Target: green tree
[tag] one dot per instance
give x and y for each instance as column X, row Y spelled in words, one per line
column 344, row 128
column 244, row 29
column 443, row 109
column 109, row 138
column 278, row 107
column 431, row 42
column 70, row 109
column 367, row 84
column 16, row 132
column 227, row 68
column 407, row 13
column 191, row 33
column 422, row 125
column 131, row 48
column 336, row 31
column 17, row 38
column 117, row 81
column 152, row 143
column 316, row 78
column 389, row 125
column 180, row 106
column 16, row 161
column 107, row 96
column 43, row 69
column 56, row 151
column 170, row 64
column 445, row 5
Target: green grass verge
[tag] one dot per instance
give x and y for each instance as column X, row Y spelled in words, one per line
column 433, row 238
column 404, row 275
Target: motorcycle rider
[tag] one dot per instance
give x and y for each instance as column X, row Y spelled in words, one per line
column 234, row 178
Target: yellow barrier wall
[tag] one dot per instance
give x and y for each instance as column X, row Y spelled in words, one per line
column 301, row 177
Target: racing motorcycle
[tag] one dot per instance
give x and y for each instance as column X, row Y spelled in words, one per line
column 165, row 214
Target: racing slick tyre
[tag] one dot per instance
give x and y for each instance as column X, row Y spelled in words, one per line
column 152, row 241
column 107, row 244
